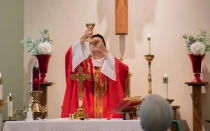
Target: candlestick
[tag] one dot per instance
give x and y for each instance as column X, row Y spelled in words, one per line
column 10, row 106
column 39, row 110
column 35, row 86
column 1, row 87
column 165, row 86
column 149, row 58
column 149, row 39
column 2, row 103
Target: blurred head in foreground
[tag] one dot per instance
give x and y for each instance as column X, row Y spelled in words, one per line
column 155, row 113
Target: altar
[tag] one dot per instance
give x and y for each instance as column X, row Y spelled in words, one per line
column 73, row 125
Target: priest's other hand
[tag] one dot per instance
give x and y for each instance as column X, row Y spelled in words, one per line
column 102, row 48
column 88, row 33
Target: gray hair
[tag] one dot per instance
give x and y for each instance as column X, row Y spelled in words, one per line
column 155, row 114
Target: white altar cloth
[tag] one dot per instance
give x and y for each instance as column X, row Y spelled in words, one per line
column 73, row 125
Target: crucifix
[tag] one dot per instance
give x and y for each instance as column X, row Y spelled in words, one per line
column 121, row 22
column 121, row 17
column 80, row 76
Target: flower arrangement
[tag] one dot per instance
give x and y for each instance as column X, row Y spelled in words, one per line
column 39, row 46
column 197, row 45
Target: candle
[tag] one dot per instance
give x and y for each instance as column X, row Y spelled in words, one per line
column 35, row 86
column 1, row 87
column 165, row 86
column 10, row 106
column 149, row 39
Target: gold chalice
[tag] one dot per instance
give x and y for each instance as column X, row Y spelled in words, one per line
column 90, row 26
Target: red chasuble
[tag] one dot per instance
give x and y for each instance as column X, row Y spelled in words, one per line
column 101, row 94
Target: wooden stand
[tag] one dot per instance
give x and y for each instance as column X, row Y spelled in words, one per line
column 43, row 97
column 175, row 107
column 173, row 125
column 197, row 109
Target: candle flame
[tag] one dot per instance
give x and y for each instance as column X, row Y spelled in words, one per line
column 0, row 74
column 165, row 75
column 148, row 34
column 10, row 94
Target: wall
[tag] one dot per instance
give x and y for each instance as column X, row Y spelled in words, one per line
column 166, row 20
column 11, row 51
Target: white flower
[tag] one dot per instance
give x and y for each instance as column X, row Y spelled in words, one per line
column 45, row 48
column 198, row 48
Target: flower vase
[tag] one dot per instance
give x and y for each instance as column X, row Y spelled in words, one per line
column 196, row 61
column 43, row 60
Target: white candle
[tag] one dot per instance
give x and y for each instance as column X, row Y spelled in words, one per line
column 1, row 87
column 10, row 106
column 149, row 39
column 165, row 86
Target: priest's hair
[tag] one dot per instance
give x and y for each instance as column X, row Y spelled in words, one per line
column 100, row 36
column 155, row 114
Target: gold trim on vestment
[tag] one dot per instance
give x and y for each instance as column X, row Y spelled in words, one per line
column 99, row 88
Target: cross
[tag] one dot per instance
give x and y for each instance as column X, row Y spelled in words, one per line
column 121, row 59
column 121, row 17
column 80, row 76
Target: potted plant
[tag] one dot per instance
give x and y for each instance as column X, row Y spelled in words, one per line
column 42, row 50
column 197, row 47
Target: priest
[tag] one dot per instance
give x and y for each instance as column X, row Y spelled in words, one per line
column 107, row 85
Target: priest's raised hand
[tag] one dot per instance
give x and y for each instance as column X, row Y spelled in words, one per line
column 107, row 85
column 88, row 33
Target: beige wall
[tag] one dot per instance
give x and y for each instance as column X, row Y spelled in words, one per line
column 11, row 51
column 166, row 20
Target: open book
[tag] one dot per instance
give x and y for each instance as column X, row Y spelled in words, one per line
column 127, row 105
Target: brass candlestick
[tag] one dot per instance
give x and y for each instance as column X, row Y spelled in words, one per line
column 128, row 91
column 35, row 106
column 128, row 84
column 149, row 59
column 90, row 26
column 2, row 103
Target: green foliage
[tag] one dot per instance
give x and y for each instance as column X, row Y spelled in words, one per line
column 202, row 37
column 32, row 45
column 45, row 36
